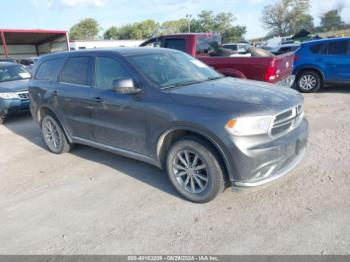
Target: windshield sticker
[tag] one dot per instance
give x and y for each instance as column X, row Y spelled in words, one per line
column 198, row 63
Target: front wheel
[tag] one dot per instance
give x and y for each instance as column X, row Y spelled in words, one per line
column 54, row 136
column 194, row 170
column 309, row 82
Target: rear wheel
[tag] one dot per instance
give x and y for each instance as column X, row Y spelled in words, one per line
column 2, row 120
column 194, row 169
column 309, row 82
column 54, row 136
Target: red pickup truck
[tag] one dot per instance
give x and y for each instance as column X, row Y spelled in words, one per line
column 271, row 68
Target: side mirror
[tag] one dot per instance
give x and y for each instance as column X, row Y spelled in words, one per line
column 125, row 86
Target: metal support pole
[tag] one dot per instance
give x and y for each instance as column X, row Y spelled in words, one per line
column 4, row 46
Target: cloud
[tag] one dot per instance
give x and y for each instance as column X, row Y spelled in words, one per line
column 70, row 3
column 76, row 3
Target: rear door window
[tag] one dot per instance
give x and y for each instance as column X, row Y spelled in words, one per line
column 48, row 70
column 76, row 71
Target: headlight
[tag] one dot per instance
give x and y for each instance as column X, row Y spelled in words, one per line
column 11, row 95
column 247, row 126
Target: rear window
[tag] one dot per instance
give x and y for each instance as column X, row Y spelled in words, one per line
column 177, row 44
column 76, row 71
column 48, row 70
column 206, row 43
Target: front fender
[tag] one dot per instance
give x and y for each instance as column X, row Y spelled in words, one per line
column 209, row 136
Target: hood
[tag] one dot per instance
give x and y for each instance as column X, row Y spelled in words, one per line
column 237, row 95
column 14, row 86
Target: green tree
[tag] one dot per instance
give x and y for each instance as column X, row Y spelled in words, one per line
column 223, row 21
column 206, row 21
column 332, row 21
column 305, row 21
column 129, row 31
column 148, row 28
column 174, row 26
column 111, row 33
column 283, row 17
column 234, row 34
column 86, row 29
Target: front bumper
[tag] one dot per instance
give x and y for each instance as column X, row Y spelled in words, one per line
column 10, row 106
column 287, row 82
column 259, row 161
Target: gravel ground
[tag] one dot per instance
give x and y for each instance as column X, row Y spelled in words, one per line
column 93, row 202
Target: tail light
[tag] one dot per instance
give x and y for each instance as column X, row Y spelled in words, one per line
column 296, row 58
column 270, row 74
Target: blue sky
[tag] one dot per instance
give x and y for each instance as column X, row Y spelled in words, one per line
column 62, row 14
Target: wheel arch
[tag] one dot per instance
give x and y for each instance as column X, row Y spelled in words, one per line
column 47, row 109
column 309, row 68
column 232, row 72
column 168, row 137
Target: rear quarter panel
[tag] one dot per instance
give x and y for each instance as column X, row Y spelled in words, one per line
column 242, row 67
column 307, row 60
column 284, row 66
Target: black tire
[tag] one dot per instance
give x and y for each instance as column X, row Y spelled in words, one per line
column 315, row 84
column 213, row 172
column 62, row 144
column 2, row 120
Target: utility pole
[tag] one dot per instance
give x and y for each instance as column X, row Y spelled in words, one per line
column 189, row 16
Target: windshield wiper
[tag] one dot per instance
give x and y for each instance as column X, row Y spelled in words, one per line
column 191, row 82
column 181, row 84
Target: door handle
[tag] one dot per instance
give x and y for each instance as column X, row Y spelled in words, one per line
column 54, row 93
column 98, row 99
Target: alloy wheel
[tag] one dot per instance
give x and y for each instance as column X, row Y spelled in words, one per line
column 51, row 134
column 308, row 82
column 190, row 171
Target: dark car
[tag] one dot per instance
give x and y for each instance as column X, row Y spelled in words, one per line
column 322, row 62
column 168, row 109
column 285, row 48
column 28, row 62
column 14, row 97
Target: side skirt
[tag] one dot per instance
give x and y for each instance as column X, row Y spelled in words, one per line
column 118, row 151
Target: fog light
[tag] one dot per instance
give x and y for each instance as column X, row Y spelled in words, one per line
column 264, row 172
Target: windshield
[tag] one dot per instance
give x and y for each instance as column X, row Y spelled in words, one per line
column 13, row 72
column 173, row 69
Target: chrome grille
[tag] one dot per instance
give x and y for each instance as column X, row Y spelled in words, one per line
column 287, row 120
column 23, row 95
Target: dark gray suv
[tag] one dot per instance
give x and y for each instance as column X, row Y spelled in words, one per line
column 168, row 109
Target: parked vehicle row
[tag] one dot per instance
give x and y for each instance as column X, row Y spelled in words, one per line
column 171, row 110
